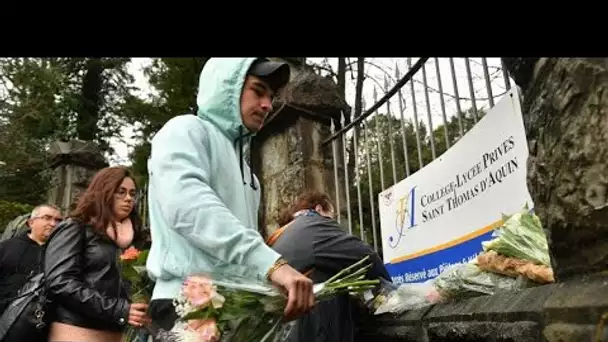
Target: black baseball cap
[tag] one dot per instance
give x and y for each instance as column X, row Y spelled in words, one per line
column 275, row 73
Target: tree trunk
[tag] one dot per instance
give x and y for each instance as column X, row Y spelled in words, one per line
column 359, row 86
column 342, row 83
column 88, row 115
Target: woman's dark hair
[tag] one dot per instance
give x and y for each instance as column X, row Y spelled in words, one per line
column 95, row 205
column 306, row 200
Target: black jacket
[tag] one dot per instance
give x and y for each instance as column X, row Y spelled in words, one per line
column 20, row 256
column 319, row 243
column 83, row 278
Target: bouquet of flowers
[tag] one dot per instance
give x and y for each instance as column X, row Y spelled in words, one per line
column 133, row 270
column 209, row 311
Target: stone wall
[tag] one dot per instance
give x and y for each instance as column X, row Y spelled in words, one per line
column 566, row 118
column 292, row 161
column 567, row 311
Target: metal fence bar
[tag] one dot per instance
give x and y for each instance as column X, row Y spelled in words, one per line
column 346, row 178
column 389, row 123
column 410, row 73
column 458, row 109
column 442, row 100
column 406, row 156
column 379, row 142
column 505, row 75
column 370, row 186
column 358, row 181
column 471, row 88
column 486, row 76
column 334, row 146
column 416, row 123
column 428, row 112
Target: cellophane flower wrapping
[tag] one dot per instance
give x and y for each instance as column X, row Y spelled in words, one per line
column 239, row 309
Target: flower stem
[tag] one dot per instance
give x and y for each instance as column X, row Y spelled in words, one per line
column 347, row 270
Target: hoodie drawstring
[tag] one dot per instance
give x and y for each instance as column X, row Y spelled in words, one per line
column 250, row 164
column 240, row 143
column 240, row 138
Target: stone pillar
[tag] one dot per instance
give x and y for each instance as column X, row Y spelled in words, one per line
column 288, row 156
column 73, row 164
column 565, row 112
column 565, row 109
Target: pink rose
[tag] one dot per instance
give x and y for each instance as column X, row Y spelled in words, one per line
column 200, row 292
column 130, row 253
column 206, row 329
column 433, row 296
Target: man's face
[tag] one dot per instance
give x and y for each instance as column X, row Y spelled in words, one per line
column 44, row 222
column 256, row 103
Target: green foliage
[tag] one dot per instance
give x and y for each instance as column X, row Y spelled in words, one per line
column 31, row 97
column 46, row 99
column 11, row 210
column 175, row 82
column 65, row 98
column 23, row 166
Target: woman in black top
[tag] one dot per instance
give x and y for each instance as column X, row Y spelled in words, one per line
column 89, row 297
column 315, row 244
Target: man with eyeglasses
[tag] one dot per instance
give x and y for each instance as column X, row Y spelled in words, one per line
column 21, row 255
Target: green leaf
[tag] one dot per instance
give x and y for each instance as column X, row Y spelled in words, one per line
column 522, row 237
column 202, row 314
column 129, row 273
column 142, row 257
column 141, row 270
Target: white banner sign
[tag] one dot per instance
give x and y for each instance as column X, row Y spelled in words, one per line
column 439, row 216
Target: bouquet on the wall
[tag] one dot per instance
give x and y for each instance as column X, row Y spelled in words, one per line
column 212, row 312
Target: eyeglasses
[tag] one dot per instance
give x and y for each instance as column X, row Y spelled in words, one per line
column 121, row 194
column 47, row 218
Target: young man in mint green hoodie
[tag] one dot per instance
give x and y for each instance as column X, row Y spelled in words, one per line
column 204, row 198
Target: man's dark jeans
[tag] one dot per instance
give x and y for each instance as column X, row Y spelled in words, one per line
column 162, row 313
